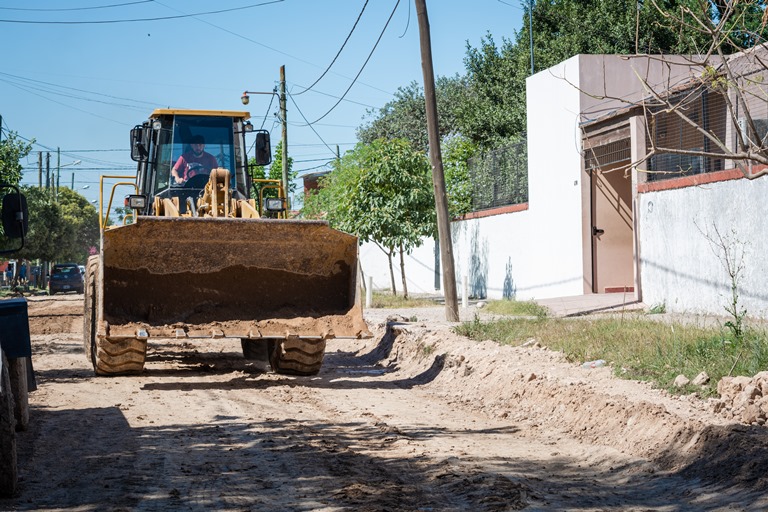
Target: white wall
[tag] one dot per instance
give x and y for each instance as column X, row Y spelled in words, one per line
column 419, row 268
column 678, row 265
column 554, row 246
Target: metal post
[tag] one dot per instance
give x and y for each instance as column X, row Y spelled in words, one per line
column 284, row 115
column 369, row 293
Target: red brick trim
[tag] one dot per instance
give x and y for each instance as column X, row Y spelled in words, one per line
column 618, row 289
column 692, row 181
column 494, row 211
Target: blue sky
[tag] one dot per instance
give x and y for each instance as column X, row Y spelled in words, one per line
column 81, row 87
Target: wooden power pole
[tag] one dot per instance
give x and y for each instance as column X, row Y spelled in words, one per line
column 284, row 115
column 438, row 176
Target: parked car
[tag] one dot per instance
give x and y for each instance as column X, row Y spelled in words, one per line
column 65, row 277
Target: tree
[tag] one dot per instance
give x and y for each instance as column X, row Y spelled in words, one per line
column 495, row 110
column 404, row 117
column 50, row 235
column 724, row 88
column 381, row 192
column 12, row 150
column 59, row 231
column 84, row 219
column 457, row 150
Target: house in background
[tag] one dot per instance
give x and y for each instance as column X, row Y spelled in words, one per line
column 595, row 224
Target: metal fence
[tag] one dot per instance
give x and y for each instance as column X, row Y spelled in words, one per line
column 499, row 177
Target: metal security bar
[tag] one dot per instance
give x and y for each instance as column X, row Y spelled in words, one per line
column 499, row 177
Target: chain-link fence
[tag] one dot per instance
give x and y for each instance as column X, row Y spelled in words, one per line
column 499, row 177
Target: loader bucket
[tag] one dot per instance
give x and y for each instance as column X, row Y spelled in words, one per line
column 247, row 278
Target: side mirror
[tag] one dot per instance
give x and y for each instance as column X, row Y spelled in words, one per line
column 139, row 151
column 15, row 216
column 263, row 148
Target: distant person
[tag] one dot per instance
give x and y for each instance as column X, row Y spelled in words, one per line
column 193, row 162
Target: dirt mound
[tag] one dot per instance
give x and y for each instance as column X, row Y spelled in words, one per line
column 539, row 387
column 49, row 315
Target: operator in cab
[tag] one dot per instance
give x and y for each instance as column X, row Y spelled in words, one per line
column 193, row 162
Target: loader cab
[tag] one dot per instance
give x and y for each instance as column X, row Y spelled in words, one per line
column 160, row 142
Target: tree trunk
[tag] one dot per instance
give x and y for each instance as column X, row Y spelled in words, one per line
column 391, row 273
column 402, row 273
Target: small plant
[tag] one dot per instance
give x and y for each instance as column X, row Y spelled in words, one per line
column 427, row 350
column 730, row 251
column 658, row 309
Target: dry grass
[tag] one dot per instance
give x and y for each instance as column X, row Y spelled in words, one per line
column 638, row 348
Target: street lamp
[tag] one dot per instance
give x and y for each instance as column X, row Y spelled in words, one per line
column 58, row 170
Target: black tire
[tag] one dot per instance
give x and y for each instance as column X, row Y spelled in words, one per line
column 8, row 470
column 108, row 357
column 296, row 356
column 89, row 309
column 119, row 357
column 255, row 349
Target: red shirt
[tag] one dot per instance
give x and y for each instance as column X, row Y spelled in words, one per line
column 189, row 165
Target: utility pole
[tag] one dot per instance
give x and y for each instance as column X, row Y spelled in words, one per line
column 58, row 173
column 72, row 187
column 48, row 170
column 436, row 159
column 284, row 115
column 530, row 29
column 40, row 169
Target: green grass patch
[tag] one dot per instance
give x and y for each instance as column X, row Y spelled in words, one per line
column 388, row 301
column 638, row 348
column 516, row 308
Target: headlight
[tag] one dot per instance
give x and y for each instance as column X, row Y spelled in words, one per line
column 137, row 202
column 274, row 204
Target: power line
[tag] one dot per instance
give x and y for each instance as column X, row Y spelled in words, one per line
column 131, row 20
column 25, row 79
column 363, row 66
column 75, row 8
column 310, row 124
column 339, row 52
column 299, row 59
column 336, row 97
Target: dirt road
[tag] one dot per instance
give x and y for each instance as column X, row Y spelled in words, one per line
column 415, row 419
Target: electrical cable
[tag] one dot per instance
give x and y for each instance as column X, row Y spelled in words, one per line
column 26, row 79
column 310, row 124
column 272, row 99
column 362, row 68
column 99, row 22
column 407, row 23
column 339, row 52
column 336, row 97
column 75, row 8
column 388, row 93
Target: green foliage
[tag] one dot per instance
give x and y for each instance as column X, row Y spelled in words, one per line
column 12, row 150
column 381, row 192
column 62, row 231
column 389, row 301
column 405, row 116
column 636, row 348
column 457, row 150
column 494, row 110
column 84, row 219
column 517, row 308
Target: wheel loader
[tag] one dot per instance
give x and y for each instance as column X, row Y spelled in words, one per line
column 198, row 258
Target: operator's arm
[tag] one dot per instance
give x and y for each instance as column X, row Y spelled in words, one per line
column 181, row 163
